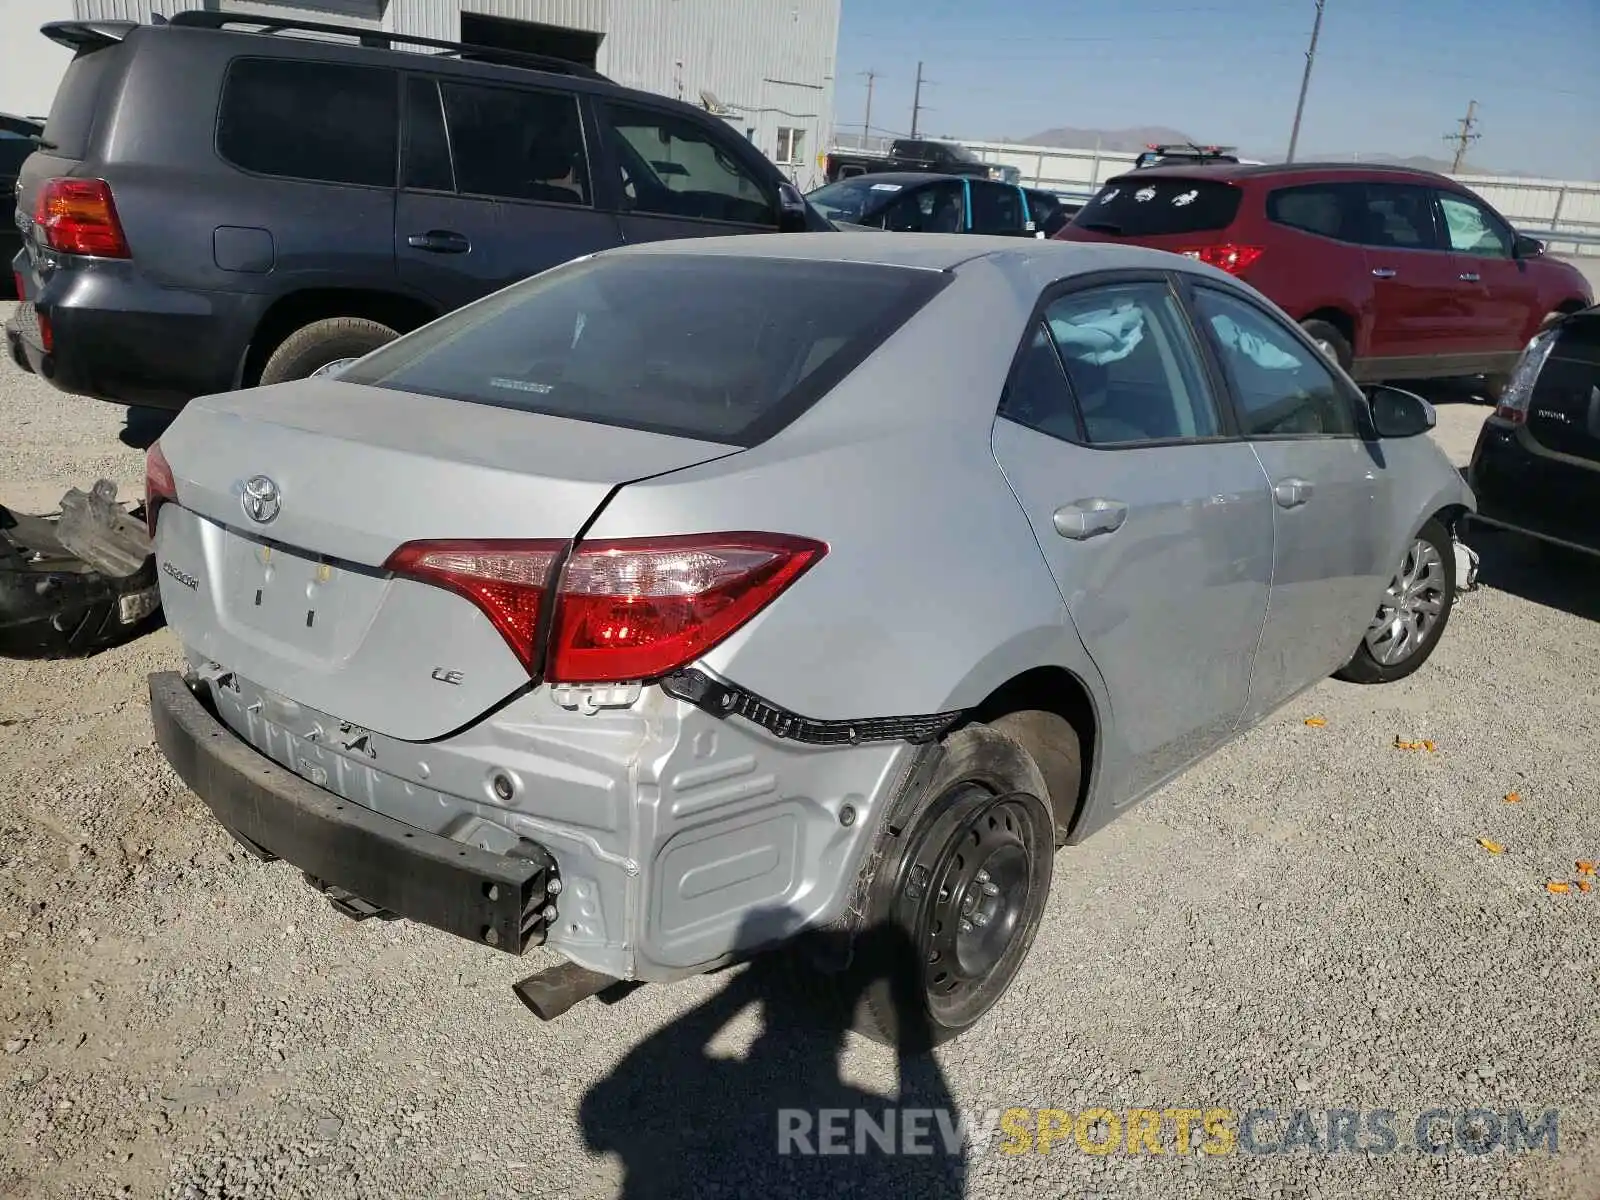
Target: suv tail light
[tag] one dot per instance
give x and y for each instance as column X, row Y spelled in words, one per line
column 1229, row 257
column 159, row 485
column 622, row 610
column 1518, row 394
column 78, row 216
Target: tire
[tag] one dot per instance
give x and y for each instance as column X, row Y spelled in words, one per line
column 320, row 343
column 1056, row 748
column 1366, row 666
column 1331, row 342
column 979, row 832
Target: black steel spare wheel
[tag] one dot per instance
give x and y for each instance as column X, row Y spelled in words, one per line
column 956, row 895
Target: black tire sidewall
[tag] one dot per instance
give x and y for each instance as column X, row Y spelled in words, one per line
column 975, row 754
column 320, row 343
column 1321, row 331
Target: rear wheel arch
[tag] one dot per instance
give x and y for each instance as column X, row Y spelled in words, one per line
column 1342, row 322
column 1052, row 713
column 295, row 310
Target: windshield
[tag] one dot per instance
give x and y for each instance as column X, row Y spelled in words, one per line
column 858, row 198
column 717, row 348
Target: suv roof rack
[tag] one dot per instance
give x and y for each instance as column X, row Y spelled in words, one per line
column 382, row 39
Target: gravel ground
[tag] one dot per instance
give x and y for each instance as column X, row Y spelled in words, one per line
column 1306, row 920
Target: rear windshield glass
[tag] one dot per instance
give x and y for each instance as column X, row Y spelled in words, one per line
column 710, row 347
column 854, row 198
column 1143, row 207
column 72, row 114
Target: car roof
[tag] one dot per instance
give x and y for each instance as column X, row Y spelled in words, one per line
column 1041, row 260
column 1252, row 171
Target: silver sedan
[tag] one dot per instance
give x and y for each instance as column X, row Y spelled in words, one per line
column 692, row 597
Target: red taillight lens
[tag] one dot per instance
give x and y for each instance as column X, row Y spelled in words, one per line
column 623, row 610
column 507, row 580
column 1227, row 257
column 77, row 216
column 639, row 609
column 159, row 485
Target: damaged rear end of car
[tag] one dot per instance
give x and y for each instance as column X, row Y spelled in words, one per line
column 413, row 675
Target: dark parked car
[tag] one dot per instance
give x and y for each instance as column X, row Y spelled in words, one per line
column 912, row 154
column 911, row 202
column 219, row 202
column 1050, row 212
column 1536, row 467
column 17, row 136
column 1396, row 273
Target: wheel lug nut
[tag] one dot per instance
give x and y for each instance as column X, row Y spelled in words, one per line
column 991, row 889
column 980, row 919
column 983, row 877
column 966, row 925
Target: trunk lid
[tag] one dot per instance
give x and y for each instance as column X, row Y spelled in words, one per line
column 300, row 604
column 1564, row 412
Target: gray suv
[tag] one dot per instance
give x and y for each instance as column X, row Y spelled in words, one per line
column 218, row 203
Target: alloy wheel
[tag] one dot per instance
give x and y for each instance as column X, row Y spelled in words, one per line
column 1411, row 606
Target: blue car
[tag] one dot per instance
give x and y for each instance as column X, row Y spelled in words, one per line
column 917, row 202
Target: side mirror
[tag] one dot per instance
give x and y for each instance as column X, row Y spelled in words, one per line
column 1398, row 414
column 1527, row 247
column 793, row 216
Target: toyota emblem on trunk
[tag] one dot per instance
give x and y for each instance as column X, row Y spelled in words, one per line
column 260, row 499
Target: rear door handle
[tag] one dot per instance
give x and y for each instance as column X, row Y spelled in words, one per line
column 1468, row 277
column 1085, row 519
column 1291, row 493
column 439, row 241
column 1383, row 272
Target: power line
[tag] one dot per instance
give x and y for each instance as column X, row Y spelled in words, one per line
column 1305, row 82
column 1464, row 136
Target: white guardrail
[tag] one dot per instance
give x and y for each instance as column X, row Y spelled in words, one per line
column 1564, row 214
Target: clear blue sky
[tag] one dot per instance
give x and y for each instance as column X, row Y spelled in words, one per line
column 1391, row 76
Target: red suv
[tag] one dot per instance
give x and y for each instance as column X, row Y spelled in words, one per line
column 1397, row 273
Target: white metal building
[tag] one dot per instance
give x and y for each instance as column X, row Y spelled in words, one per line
column 766, row 66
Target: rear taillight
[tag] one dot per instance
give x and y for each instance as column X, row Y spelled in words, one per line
column 159, row 485
column 1518, row 394
column 78, row 216
column 1227, row 257
column 622, row 610
column 507, row 580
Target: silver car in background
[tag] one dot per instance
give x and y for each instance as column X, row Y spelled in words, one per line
column 693, row 596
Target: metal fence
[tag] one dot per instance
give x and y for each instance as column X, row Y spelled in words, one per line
column 1565, row 214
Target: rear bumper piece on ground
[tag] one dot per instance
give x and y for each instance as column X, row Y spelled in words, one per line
column 492, row 899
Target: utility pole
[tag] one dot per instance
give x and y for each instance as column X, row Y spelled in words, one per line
column 1305, row 82
column 866, row 123
column 1464, row 136
column 916, row 102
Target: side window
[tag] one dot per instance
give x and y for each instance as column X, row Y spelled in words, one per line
column 1396, row 216
column 516, row 145
column 1284, row 388
column 1472, row 229
column 1133, row 365
column 1320, row 208
column 1037, row 394
column 933, row 209
column 310, row 120
column 673, row 167
column 425, row 156
column 996, row 208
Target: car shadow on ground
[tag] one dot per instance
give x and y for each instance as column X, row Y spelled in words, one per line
column 143, row 426
column 687, row 1123
column 1537, row 571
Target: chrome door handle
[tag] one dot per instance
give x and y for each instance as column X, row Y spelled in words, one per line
column 1383, row 272
column 1085, row 519
column 1468, row 277
column 1291, row 493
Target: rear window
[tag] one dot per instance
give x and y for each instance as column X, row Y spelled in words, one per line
column 311, row 120
column 72, row 112
column 710, row 347
column 1143, row 207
